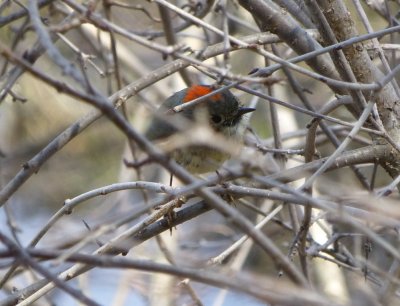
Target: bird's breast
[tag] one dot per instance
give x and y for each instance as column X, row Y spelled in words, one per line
column 200, row 159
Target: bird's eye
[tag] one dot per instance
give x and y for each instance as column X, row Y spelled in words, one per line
column 216, row 118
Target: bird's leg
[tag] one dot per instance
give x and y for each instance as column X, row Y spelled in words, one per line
column 226, row 196
column 171, row 214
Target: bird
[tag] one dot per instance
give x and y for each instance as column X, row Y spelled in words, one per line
column 223, row 114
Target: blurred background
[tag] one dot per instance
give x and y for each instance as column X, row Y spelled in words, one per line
column 36, row 113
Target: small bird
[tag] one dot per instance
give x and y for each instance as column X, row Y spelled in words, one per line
column 224, row 114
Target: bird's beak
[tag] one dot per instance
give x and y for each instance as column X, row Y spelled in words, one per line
column 245, row 110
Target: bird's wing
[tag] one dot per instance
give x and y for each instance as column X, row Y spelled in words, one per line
column 159, row 127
